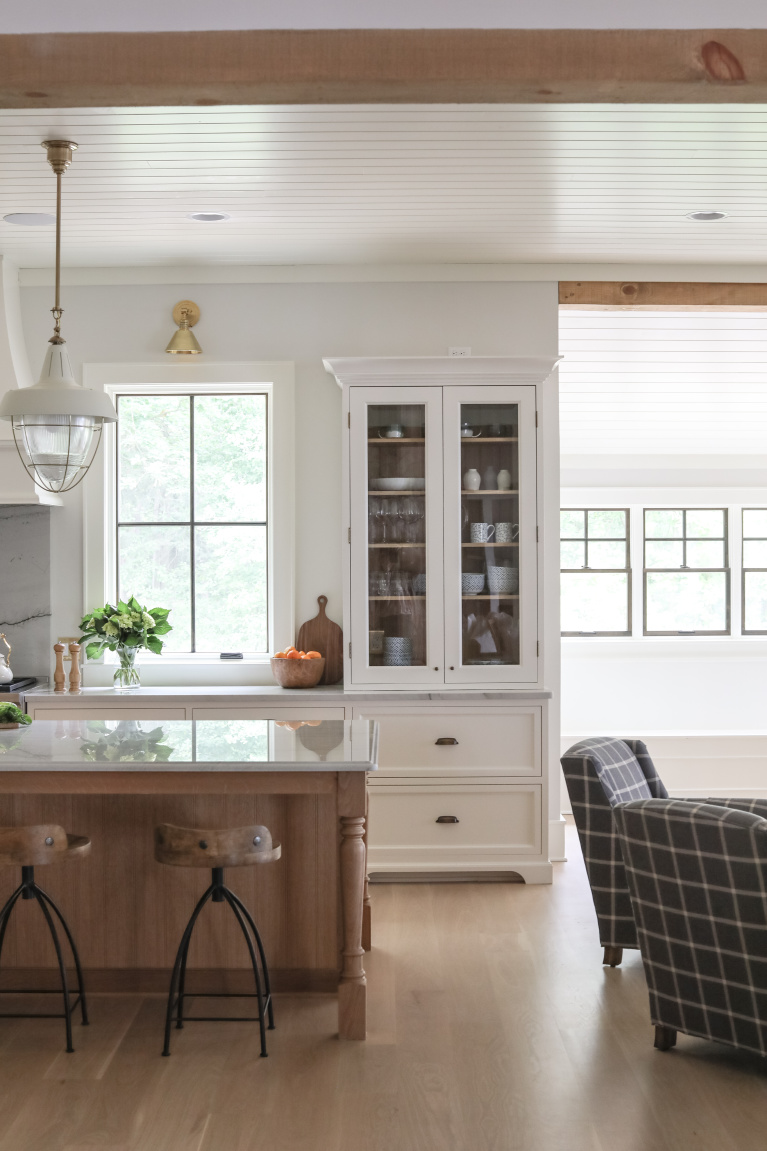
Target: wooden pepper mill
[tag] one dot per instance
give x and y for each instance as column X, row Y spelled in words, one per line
column 59, row 678
column 74, row 674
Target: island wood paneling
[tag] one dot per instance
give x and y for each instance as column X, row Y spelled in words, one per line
column 127, row 912
column 622, row 294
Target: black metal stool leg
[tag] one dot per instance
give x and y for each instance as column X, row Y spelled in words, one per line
column 5, row 914
column 230, row 899
column 75, row 955
column 182, row 987
column 62, row 969
column 267, row 985
column 174, row 979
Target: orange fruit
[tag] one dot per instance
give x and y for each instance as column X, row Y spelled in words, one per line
column 292, row 654
column 313, row 655
column 279, row 655
column 289, row 648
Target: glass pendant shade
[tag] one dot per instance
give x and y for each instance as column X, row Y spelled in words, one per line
column 56, row 423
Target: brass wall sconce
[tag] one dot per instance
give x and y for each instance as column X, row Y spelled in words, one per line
column 183, row 342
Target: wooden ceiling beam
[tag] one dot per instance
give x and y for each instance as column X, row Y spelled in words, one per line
column 616, row 294
column 383, row 66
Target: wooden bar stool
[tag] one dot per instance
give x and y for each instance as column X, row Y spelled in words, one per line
column 30, row 847
column 237, row 847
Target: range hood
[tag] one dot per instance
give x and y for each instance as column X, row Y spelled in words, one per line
column 16, row 485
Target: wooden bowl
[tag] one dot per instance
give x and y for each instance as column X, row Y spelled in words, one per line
column 9, row 726
column 298, row 672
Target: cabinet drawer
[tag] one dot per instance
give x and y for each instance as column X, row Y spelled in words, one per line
column 493, row 741
column 294, row 711
column 114, row 713
column 489, row 819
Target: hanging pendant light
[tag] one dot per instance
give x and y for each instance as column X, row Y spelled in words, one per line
column 57, row 423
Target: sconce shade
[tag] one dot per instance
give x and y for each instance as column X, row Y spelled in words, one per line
column 57, row 423
column 183, row 342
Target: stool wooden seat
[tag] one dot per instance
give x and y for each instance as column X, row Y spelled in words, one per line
column 37, row 846
column 231, row 847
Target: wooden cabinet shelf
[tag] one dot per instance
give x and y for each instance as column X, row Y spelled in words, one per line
column 490, row 597
column 371, row 598
column 404, row 492
column 491, row 545
column 490, row 492
column 396, row 440
column 489, row 439
column 396, row 545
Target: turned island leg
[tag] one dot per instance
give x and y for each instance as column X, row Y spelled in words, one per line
column 367, row 932
column 352, row 991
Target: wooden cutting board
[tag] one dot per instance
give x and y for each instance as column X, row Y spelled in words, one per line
column 322, row 635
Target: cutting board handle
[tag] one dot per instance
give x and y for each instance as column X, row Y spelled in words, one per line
column 322, row 600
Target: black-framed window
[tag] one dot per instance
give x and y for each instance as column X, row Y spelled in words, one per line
column 192, row 532
column 754, row 585
column 595, row 561
column 686, row 573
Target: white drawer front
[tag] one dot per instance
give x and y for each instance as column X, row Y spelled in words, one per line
column 294, row 711
column 490, row 819
column 497, row 742
column 117, row 712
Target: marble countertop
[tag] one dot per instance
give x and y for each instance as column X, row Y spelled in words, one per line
column 270, row 693
column 222, row 745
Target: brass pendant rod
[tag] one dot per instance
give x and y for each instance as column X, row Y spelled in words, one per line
column 57, row 304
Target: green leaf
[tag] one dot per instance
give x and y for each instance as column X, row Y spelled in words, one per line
column 163, row 628
column 160, row 612
column 163, row 752
column 154, row 643
column 131, row 639
column 94, row 650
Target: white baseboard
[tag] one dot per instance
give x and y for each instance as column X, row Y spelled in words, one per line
column 557, row 840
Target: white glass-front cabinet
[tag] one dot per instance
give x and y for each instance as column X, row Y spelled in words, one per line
column 442, row 477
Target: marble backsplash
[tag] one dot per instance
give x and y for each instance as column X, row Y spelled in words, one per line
column 25, row 587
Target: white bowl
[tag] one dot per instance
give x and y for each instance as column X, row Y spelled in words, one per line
column 400, row 484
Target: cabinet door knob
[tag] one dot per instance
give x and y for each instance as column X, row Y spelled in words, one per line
column 447, row 819
column 446, row 741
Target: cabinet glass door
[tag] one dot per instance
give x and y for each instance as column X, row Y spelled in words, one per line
column 396, row 492
column 490, row 534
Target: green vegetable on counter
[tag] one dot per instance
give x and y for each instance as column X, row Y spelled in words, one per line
column 10, row 713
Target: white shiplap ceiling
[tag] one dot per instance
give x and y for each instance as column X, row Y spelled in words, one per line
column 391, row 184
column 651, row 383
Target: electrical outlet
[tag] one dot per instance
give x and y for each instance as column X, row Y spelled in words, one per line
column 459, row 351
column 66, row 640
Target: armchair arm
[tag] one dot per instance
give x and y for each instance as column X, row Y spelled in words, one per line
column 740, row 803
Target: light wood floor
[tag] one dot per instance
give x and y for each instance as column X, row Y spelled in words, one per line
column 493, row 1028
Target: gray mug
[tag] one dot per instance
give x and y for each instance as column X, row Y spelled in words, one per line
column 482, row 533
column 506, row 533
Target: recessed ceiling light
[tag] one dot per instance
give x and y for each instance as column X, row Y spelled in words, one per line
column 705, row 217
column 30, row 219
column 208, row 217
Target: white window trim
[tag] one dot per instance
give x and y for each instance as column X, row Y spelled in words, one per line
column 277, row 380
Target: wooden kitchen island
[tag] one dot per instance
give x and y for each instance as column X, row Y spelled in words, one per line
column 115, row 780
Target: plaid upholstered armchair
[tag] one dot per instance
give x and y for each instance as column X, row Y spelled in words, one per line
column 600, row 773
column 697, row 874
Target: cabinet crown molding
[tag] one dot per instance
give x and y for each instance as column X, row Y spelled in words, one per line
column 396, row 370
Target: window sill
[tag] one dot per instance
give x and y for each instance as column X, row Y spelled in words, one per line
column 667, row 646
column 186, row 671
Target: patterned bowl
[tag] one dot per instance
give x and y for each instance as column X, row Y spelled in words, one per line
column 502, row 580
column 472, row 583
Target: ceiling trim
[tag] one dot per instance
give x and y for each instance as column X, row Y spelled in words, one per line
column 622, row 294
column 388, row 66
column 687, row 275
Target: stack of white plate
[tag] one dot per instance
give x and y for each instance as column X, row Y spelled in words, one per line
column 398, row 651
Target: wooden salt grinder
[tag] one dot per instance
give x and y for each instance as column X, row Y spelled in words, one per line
column 59, row 678
column 74, row 674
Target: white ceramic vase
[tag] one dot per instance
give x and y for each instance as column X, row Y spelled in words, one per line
column 471, row 480
column 504, row 480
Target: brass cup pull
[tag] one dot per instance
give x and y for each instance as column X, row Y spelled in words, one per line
column 447, row 819
column 446, row 741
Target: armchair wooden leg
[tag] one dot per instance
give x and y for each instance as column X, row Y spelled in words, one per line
column 665, row 1037
column 612, row 956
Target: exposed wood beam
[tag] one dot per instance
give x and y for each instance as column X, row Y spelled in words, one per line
column 606, row 293
column 384, row 65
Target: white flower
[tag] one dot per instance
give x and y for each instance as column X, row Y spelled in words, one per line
column 135, row 616
column 124, row 621
column 147, row 620
column 111, row 628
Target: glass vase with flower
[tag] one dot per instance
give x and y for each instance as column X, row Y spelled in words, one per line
column 124, row 628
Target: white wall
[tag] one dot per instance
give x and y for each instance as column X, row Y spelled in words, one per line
column 300, row 322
